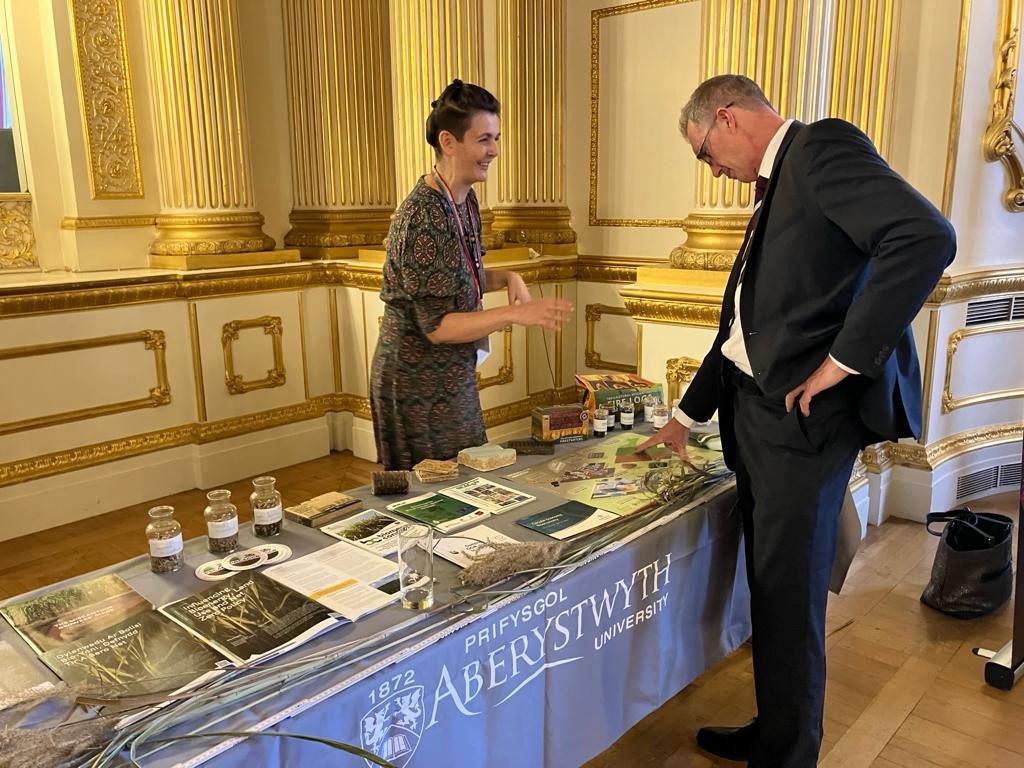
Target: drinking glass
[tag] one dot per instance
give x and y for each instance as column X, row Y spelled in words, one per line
column 416, row 566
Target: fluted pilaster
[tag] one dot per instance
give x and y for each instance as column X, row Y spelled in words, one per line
column 813, row 58
column 531, row 209
column 339, row 108
column 434, row 41
column 207, row 205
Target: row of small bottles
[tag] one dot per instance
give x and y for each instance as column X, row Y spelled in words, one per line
column 606, row 417
column 164, row 532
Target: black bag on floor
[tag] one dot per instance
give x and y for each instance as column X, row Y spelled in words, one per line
column 972, row 573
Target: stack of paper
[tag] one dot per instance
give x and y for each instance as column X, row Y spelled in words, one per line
column 435, row 471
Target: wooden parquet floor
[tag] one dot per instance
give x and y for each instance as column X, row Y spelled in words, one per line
column 904, row 689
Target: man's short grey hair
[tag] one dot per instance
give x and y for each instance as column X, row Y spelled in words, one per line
column 718, row 91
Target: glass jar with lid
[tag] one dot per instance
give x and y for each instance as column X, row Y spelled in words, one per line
column 221, row 522
column 266, row 507
column 165, row 544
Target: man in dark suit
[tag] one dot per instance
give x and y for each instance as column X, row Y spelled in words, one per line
column 813, row 360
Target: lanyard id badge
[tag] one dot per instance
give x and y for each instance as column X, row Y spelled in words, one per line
column 471, row 252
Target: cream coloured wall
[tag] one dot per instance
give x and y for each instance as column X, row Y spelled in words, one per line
column 988, row 234
column 648, row 61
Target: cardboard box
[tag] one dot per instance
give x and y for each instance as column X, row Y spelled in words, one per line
column 605, row 389
column 560, row 423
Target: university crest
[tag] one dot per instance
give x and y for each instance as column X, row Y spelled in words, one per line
column 392, row 729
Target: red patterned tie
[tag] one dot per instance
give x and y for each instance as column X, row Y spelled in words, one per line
column 759, row 187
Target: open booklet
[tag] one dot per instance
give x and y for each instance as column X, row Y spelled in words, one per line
column 340, row 577
column 250, row 617
column 370, row 529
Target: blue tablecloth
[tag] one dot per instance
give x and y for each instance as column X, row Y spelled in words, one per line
column 547, row 678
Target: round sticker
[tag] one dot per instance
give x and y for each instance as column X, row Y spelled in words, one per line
column 213, row 571
column 244, row 560
column 276, row 553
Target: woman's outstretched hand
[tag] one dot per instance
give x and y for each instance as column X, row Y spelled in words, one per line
column 549, row 314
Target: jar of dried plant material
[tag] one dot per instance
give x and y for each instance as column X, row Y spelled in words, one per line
column 626, row 414
column 221, row 523
column 266, row 507
column 165, row 545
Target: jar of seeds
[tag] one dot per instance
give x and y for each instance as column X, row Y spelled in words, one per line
column 266, row 507
column 165, row 545
column 221, row 522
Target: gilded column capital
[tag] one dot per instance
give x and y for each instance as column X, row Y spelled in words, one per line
column 208, row 213
column 438, row 41
column 340, row 114
column 531, row 206
column 838, row 61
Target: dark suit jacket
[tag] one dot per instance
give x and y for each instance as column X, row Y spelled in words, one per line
column 844, row 254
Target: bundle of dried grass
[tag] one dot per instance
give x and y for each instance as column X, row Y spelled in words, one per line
column 509, row 559
column 25, row 746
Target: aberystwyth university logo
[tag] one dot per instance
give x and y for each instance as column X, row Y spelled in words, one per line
column 392, row 729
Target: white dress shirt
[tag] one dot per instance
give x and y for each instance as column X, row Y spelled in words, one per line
column 734, row 348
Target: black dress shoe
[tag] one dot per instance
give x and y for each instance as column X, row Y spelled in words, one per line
column 730, row 743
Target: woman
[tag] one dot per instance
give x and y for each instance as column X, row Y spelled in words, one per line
column 423, row 382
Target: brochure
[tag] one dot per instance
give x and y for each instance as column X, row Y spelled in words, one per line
column 250, row 617
column 464, row 547
column 340, row 577
column 148, row 653
column 323, row 509
column 54, row 619
column 441, row 512
column 487, row 495
column 370, row 529
column 568, row 520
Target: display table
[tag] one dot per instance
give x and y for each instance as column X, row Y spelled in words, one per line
column 550, row 677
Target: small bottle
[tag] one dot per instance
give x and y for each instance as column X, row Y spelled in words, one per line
column 600, row 422
column 266, row 507
column 611, row 417
column 649, row 402
column 662, row 413
column 626, row 414
column 221, row 523
column 165, row 545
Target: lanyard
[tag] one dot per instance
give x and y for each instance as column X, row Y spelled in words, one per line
column 472, row 254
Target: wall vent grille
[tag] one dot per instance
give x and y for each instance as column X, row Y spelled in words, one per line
column 999, row 310
column 976, row 482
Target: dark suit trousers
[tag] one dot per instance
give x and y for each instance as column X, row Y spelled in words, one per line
column 791, row 475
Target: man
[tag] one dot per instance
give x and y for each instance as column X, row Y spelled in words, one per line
column 813, row 360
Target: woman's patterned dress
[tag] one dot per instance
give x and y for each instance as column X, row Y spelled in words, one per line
column 423, row 396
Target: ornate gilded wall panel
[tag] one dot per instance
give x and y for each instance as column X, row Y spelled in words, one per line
column 679, row 371
column 999, row 138
column 160, row 394
column 276, row 375
column 506, row 373
column 105, row 93
column 950, row 402
column 591, row 357
column 17, row 241
column 596, row 17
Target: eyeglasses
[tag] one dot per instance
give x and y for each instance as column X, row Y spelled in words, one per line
column 703, row 156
